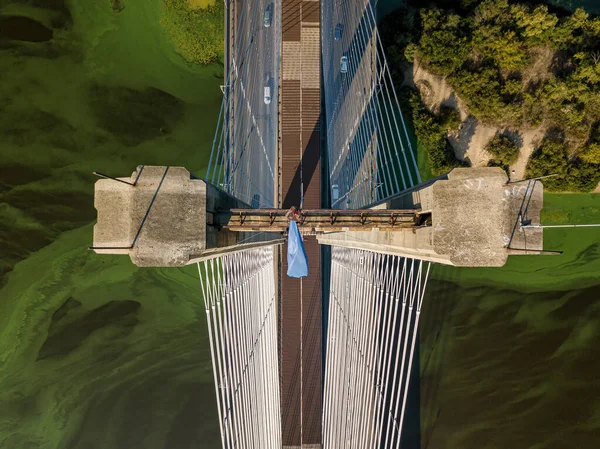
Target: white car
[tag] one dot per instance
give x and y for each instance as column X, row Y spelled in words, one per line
column 335, row 192
column 267, row 96
column 344, row 64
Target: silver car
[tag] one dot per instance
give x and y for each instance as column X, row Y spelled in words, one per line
column 268, row 15
column 335, row 192
column 344, row 64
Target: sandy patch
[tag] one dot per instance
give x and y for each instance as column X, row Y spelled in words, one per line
column 539, row 69
column 472, row 137
column 470, row 140
column 435, row 90
column 531, row 139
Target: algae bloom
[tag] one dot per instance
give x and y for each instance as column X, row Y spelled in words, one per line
column 195, row 27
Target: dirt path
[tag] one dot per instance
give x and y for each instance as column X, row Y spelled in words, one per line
column 530, row 141
column 470, row 141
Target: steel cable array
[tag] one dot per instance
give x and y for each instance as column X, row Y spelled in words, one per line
column 240, row 303
column 374, row 300
column 374, row 309
column 370, row 154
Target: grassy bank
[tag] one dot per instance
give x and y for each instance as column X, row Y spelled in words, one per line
column 195, row 28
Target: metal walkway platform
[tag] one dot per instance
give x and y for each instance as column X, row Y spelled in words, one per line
column 325, row 220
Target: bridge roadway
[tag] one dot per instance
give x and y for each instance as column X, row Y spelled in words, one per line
column 300, row 186
column 253, row 119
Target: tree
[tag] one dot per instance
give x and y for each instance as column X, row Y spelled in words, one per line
column 504, row 47
column 591, row 154
column 449, row 118
column 565, row 105
column 495, row 35
column 587, row 67
column 537, row 25
column 504, row 150
column 485, row 55
column 492, row 11
column 443, row 45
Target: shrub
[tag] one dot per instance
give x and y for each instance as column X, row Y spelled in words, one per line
column 582, row 176
column 591, row 154
column 449, row 118
column 576, row 175
column 551, row 158
column 565, row 105
column 482, row 90
column 504, row 150
column 433, row 138
column 411, row 51
column 533, row 109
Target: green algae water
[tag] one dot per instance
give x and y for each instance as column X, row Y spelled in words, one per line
column 95, row 353
column 509, row 356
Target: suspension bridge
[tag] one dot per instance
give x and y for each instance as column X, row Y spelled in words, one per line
column 310, row 118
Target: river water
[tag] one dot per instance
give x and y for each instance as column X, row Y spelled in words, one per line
column 97, row 354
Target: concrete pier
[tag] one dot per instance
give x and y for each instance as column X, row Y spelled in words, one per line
column 475, row 221
column 167, row 219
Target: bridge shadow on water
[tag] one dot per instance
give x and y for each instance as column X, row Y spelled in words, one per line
column 411, row 434
column 422, row 404
column 423, row 408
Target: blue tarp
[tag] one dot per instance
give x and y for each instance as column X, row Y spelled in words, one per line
column 296, row 255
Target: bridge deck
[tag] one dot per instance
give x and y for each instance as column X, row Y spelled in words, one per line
column 300, row 181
